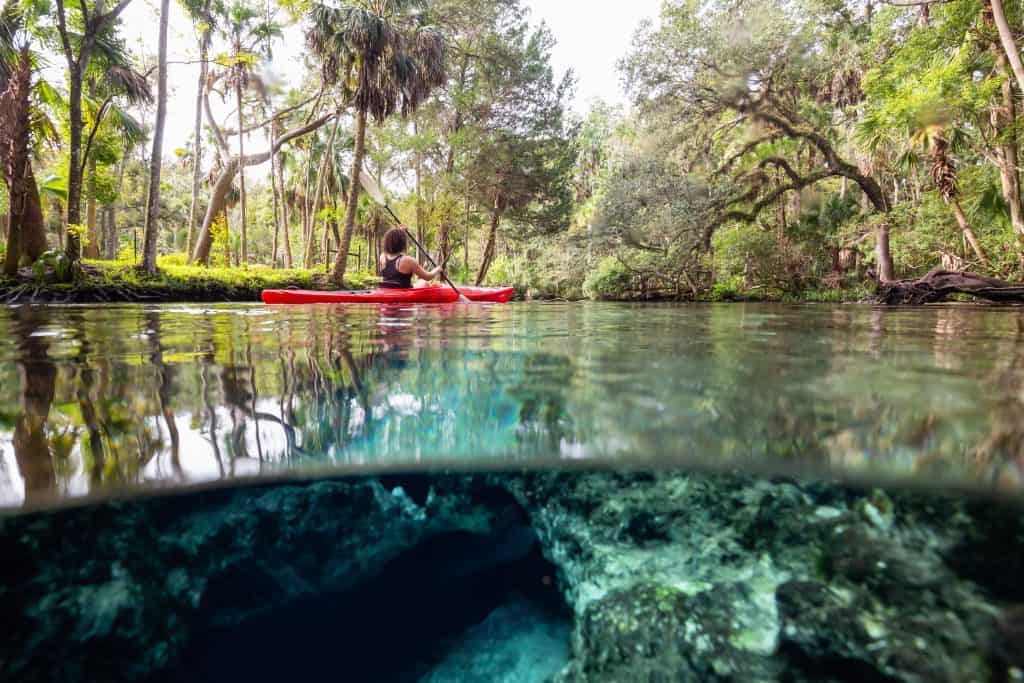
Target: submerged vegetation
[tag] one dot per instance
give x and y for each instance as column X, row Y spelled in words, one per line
column 774, row 150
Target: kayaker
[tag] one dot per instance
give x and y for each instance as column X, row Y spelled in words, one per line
column 396, row 268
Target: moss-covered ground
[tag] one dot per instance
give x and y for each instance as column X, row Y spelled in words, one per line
column 122, row 281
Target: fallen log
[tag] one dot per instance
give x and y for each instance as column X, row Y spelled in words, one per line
column 938, row 284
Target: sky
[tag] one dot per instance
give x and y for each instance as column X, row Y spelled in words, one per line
column 591, row 36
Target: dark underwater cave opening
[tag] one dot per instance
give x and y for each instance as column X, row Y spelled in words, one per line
column 398, row 626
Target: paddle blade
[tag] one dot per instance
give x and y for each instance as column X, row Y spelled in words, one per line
column 371, row 187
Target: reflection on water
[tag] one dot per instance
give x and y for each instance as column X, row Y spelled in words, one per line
column 115, row 396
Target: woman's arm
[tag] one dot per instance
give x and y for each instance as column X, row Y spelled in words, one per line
column 419, row 271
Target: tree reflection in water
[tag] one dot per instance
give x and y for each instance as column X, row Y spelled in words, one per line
column 37, row 379
column 97, row 397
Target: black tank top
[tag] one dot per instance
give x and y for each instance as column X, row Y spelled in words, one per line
column 394, row 278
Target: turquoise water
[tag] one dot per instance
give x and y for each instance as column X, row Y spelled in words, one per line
column 100, row 399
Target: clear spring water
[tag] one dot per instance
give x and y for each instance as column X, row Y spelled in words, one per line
column 103, row 398
column 530, row 569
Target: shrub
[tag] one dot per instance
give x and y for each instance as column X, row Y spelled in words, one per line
column 746, row 250
column 54, row 260
column 609, row 280
column 727, row 290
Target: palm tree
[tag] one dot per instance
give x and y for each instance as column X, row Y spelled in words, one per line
column 14, row 152
column 245, row 30
column 25, row 126
column 78, row 49
column 385, row 61
column 933, row 138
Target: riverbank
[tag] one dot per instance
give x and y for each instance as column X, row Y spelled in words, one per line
column 123, row 282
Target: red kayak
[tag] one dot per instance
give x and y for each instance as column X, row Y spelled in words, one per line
column 417, row 295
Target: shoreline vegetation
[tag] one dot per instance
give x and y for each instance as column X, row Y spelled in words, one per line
column 176, row 282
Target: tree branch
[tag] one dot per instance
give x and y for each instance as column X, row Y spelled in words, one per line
column 277, row 115
column 105, row 19
column 799, row 183
column 746, row 149
column 62, row 28
column 217, row 134
column 92, row 133
column 837, row 165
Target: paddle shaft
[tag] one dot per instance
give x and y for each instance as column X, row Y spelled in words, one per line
column 423, row 251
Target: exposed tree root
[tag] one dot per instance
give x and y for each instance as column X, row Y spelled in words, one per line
column 938, row 284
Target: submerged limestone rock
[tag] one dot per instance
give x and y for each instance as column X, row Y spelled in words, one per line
column 673, row 576
column 733, row 578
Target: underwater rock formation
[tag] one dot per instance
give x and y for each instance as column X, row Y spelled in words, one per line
column 116, row 591
column 671, row 576
column 695, row 577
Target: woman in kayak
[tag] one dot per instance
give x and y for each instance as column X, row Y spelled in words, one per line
column 396, row 268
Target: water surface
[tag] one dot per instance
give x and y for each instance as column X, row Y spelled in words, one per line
column 100, row 399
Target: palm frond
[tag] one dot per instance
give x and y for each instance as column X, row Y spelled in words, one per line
column 11, row 23
column 54, row 186
column 132, row 130
column 49, row 96
column 131, row 84
column 384, row 63
column 43, row 128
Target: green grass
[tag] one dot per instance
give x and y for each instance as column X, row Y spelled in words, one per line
column 832, row 296
column 123, row 281
column 173, row 273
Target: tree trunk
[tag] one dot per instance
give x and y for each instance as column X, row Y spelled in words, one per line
column 883, row 256
column 112, row 243
column 422, row 258
column 37, row 378
column 151, row 231
column 219, row 193
column 72, row 244
column 227, row 239
column 1003, row 117
column 965, row 227
column 318, row 196
column 285, row 218
column 33, row 228
column 341, row 260
column 107, row 230
column 14, row 155
column 1008, row 41
column 16, row 199
column 197, row 135
column 276, row 200
column 939, row 284
column 492, row 236
column 91, row 248
column 334, row 223
column 307, row 229
column 243, row 246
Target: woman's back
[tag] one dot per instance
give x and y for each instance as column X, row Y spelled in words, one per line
column 392, row 277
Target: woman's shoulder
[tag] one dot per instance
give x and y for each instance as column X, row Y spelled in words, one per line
column 405, row 263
